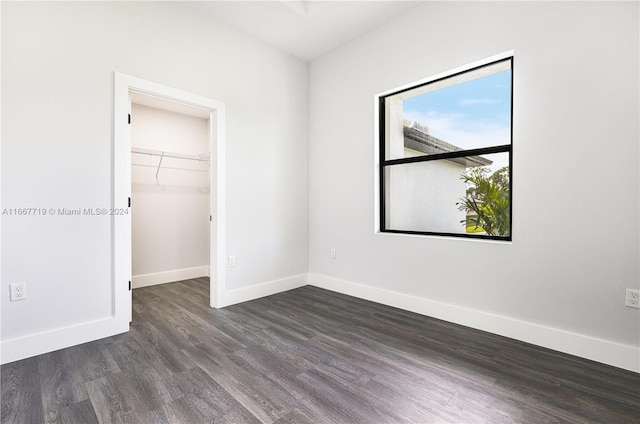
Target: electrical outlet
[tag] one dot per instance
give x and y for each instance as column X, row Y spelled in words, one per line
column 332, row 254
column 632, row 298
column 18, row 291
column 231, row 261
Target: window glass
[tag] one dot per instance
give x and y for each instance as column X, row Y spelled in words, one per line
column 446, row 146
column 446, row 196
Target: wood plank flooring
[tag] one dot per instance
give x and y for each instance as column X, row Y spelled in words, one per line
column 307, row 356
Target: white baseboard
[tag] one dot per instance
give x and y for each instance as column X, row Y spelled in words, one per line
column 268, row 288
column 144, row 280
column 604, row 351
column 60, row 338
column 36, row 344
column 599, row 350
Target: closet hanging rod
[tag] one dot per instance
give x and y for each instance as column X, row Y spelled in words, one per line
column 202, row 157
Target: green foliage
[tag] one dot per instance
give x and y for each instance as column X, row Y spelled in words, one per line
column 487, row 202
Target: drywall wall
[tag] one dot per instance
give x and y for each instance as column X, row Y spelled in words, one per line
column 576, row 214
column 58, row 64
column 169, row 197
column 575, row 174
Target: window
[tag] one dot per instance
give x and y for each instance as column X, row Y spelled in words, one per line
column 445, row 155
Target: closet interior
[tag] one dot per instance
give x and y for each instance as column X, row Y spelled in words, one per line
column 170, row 191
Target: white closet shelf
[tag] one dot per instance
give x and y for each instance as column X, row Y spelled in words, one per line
column 204, row 157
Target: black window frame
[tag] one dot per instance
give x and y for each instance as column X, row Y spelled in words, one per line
column 385, row 163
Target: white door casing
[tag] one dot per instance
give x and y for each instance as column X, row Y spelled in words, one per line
column 124, row 85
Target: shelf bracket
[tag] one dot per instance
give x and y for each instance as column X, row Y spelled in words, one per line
column 159, row 163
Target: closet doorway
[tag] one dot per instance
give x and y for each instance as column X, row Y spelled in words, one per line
column 169, row 178
column 170, row 214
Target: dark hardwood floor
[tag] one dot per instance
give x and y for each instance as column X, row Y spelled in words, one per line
column 307, row 356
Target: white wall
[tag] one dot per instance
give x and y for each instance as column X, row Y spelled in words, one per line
column 561, row 282
column 170, row 205
column 58, row 64
column 422, row 196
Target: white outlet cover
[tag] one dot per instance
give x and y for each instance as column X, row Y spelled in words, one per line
column 632, row 298
column 18, row 291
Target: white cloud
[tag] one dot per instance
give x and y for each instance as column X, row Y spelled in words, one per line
column 466, row 102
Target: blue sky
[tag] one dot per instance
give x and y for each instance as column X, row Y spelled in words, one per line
column 472, row 114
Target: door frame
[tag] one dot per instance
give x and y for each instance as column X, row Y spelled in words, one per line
column 123, row 86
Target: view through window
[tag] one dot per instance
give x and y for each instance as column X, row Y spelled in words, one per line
column 445, row 149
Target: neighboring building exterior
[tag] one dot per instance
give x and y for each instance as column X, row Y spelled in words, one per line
column 422, row 196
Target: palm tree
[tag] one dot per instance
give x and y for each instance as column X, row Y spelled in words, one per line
column 487, row 202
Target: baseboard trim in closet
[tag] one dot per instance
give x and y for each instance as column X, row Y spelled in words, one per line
column 144, row 280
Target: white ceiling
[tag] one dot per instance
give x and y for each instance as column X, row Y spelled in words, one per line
column 305, row 28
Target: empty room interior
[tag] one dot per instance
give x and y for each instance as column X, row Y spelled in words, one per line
column 320, row 212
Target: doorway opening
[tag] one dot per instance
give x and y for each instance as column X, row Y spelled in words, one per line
column 170, row 215
column 179, row 186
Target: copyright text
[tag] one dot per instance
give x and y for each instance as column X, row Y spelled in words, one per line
column 64, row 211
